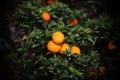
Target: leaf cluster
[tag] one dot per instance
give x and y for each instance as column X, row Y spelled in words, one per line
column 37, row 62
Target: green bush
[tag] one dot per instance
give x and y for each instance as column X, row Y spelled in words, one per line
column 32, row 56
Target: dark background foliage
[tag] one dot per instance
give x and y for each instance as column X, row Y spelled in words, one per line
column 6, row 42
column 7, row 30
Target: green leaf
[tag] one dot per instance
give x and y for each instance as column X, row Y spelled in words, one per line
column 74, row 71
column 24, row 25
column 34, row 45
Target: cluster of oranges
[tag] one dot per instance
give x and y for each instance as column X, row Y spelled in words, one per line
column 47, row 17
column 57, row 45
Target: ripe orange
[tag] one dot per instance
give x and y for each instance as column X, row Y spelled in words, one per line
column 58, row 37
column 111, row 46
column 102, row 69
column 73, row 22
column 46, row 16
column 64, row 47
column 50, row 2
column 52, row 47
column 75, row 50
column 44, row 3
column 92, row 73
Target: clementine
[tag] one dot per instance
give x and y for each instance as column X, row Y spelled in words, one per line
column 111, row 46
column 53, row 47
column 58, row 37
column 64, row 47
column 50, row 2
column 75, row 50
column 92, row 73
column 73, row 22
column 102, row 69
column 46, row 16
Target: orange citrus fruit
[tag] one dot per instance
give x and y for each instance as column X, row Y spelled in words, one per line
column 92, row 73
column 46, row 16
column 50, row 2
column 111, row 46
column 64, row 47
column 53, row 47
column 75, row 50
column 73, row 22
column 102, row 69
column 44, row 3
column 58, row 37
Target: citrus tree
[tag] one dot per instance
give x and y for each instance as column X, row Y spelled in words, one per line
column 56, row 42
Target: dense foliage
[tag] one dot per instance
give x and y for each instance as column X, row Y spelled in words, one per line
column 33, row 58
